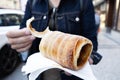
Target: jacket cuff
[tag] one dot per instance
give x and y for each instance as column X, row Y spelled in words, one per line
column 96, row 57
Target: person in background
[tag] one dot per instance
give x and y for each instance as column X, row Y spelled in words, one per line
column 97, row 19
column 62, row 15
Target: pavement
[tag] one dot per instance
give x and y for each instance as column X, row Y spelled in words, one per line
column 107, row 69
column 109, row 48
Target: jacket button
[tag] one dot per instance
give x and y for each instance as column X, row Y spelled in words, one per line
column 44, row 17
column 77, row 19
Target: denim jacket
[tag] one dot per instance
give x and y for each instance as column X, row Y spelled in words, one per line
column 69, row 18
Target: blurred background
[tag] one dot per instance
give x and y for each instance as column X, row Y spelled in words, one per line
column 13, row 4
column 108, row 39
column 108, row 10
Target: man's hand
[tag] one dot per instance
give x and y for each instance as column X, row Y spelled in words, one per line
column 90, row 61
column 21, row 39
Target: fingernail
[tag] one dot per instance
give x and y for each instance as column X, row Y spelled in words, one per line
column 32, row 37
column 27, row 32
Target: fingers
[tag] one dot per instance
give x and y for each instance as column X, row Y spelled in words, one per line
column 90, row 61
column 18, row 46
column 24, row 48
column 18, row 33
column 20, row 40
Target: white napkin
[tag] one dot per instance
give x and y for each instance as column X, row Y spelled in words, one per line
column 37, row 63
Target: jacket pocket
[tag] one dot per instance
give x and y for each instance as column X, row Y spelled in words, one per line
column 40, row 21
column 73, row 23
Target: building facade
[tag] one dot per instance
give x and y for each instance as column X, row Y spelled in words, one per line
column 10, row 4
column 113, row 15
column 13, row 4
column 111, row 9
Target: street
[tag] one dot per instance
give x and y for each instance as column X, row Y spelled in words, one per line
column 107, row 69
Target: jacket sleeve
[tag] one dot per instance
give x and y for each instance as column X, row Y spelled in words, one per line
column 88, row 22
column 27, row 14
column 89, row 30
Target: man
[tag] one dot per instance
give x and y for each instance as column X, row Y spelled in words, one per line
column 61, row 15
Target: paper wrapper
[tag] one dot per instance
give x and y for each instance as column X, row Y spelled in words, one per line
column 37, row 64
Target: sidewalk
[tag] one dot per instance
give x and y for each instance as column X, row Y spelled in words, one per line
column 114, row 35
column 109, row 48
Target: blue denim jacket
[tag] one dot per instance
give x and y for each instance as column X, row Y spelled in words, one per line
column 69, row 18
